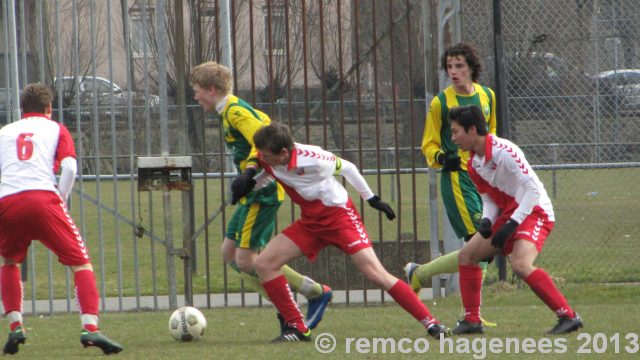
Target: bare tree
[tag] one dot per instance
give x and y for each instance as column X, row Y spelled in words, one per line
column 68, row 52
column 281, row 37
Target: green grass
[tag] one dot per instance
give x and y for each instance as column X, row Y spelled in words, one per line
column 594, row 240
column 236, row 333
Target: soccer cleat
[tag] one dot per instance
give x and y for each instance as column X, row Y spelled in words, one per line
column 283, row 326
column 16, row 337
column 292, row 334
column 566, row 325
column 435, row 330
column 317, row 306
column 95, row 338
column 412, row 279
column 466, row 327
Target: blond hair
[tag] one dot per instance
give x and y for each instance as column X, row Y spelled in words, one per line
column 212, row 75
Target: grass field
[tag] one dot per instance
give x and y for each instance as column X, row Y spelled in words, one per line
column 594, row 240
column 236, row 333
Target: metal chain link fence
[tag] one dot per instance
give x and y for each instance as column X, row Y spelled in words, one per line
column 573, row 97
column 349, row 76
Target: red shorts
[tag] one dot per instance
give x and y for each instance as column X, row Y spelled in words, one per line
column 340, row 227
column 535, row 228
column 39, row 215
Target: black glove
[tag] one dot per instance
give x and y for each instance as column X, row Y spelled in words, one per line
column 242, row 185
column 380, row 205
column 449, row 160
column 501, row 236
column 485, row 228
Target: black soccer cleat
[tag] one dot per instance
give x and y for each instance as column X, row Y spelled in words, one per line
column 16, row 337
column 467, row 327
column 95, row 338
column 435, row 330
column 566, row 325
column 292, row 334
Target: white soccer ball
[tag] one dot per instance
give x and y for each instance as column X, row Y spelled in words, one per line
column 187, row 324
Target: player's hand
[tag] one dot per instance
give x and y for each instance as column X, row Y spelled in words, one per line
column 485, row 228
column 450, row 160
column 380, row 205
column 501, row 236
column 242, row 185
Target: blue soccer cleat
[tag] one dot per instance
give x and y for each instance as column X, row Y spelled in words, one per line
column 317, row 306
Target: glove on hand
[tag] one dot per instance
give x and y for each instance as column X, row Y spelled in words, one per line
column 242, row 185
column 380, row 205
column 449, row 160
column 485, row 228
column 501, row 236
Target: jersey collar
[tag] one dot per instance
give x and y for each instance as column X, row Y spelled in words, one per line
column 488, row 145
column 488, row 154
column 293, row 159
column 34, row 114
column 221, row 104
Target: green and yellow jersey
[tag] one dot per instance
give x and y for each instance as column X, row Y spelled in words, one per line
column 437, row 131
column 240, row 121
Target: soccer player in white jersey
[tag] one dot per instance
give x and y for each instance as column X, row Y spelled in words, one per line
column 33, row 207
column 328, row 217
column 517, row 217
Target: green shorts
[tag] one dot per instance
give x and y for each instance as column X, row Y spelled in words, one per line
column 461, row 201
column 252, row 225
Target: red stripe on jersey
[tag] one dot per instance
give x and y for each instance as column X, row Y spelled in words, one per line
column 65, row 147
column 293, row 160
column 309, row 208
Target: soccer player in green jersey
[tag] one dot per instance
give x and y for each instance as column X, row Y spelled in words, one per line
column 462, row 203
column 253, row 221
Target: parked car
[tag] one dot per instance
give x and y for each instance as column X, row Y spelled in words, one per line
column 542, row 83
column 622, row 86
column 109, row 97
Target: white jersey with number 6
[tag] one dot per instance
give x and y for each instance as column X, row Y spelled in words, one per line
column 31, row 150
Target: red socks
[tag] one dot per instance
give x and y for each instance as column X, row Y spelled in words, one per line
column 405, row 297
column 542, row 285
column 11, row 288
column 282, row 298
column 86, row 292
column 470, row 291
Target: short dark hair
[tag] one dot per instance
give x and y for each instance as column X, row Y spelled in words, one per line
column 468, row 116
column 274, row 137
column 35, row 98
column 470, row 55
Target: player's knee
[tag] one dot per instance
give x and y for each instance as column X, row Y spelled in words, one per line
column 264, row 266
column 522, row 268
column 244, row 264
column 228, row 253
column 466, row 257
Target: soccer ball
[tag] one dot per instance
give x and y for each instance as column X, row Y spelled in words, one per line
column 187, row 324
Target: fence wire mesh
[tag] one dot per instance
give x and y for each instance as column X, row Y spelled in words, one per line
column 573, row 92
column 349, row 76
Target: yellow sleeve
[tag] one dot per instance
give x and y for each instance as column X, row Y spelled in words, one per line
column 431, row 142
column 247, row 124
column 493, row 122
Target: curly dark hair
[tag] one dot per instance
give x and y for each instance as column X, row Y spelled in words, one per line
column 470, row 55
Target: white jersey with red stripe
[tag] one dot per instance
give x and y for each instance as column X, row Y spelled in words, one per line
column 31, row 150
column 309, row 179
column 504, row 174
